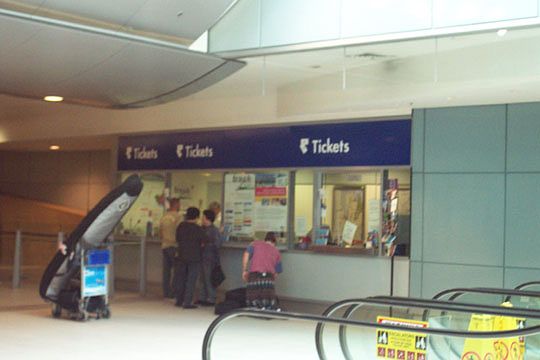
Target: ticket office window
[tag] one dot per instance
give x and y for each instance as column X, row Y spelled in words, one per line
column 143, row 217
column 193, row 188
column 353, row 210
column 255, row 203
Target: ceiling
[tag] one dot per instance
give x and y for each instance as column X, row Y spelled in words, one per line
column 358, row 81
column 100, row 53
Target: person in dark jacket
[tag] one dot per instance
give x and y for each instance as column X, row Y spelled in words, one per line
column 189, row 237
column 210, row 258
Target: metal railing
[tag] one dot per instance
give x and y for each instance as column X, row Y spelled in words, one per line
column 19, row 236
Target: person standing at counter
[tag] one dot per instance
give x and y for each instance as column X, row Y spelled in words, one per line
column 261, row 263
column 189, row 237
column 167, row 232
column 210, row 258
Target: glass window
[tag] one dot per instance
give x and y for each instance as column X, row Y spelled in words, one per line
column 143, row 217
column 303, row 208
column 350, row 204
column 256, row 203
column 197, row 188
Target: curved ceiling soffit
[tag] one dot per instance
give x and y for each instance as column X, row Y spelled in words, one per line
column 99, row 67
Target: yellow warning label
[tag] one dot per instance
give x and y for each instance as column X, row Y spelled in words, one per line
column 401, row 345
column 494, row 349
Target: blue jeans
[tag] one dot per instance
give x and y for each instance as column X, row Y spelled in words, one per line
column 208, row 292
column 169, row 288
column 187, row 273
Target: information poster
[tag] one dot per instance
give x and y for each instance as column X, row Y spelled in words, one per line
column 255, row 203
column 401, row 345
column 239, row 204
column 271, row 202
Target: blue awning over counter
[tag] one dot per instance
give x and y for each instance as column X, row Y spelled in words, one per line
column 365, row 143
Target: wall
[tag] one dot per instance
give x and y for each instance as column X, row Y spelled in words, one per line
column 35, row 217
column 74, row 179
column 476, row 178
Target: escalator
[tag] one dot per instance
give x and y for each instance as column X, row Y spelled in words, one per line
column 351, row 329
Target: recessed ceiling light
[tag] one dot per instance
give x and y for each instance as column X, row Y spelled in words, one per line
column 54, row 147
column 53, row 98
column 502, row 32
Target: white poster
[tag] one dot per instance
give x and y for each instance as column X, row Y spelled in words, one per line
column 349, row 229
column 239, row 204
column 374, row 215
column 255, row 203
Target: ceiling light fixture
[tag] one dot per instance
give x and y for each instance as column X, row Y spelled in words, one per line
column 502, row 32
column 53, row 98
column 54, row 147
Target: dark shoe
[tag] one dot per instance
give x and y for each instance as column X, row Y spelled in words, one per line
column 208, row 303
column 178, row 304
column 189, row 306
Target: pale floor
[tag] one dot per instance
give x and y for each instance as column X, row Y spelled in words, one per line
column 142, row 328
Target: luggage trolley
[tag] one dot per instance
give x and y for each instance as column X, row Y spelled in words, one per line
column 92, row 297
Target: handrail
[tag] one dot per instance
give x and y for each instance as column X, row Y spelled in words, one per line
column 354, row 304
column 521, row 286
column 455, row 306
column 210, row 332
column 481, row 290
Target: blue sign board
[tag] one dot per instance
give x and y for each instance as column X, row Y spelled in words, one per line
column 374, row 143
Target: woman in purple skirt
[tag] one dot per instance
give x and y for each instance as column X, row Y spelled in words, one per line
column 260, row 265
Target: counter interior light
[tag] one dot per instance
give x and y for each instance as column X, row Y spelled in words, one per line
column 54, row 147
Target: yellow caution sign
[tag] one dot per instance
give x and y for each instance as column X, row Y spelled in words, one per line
column 494, row 349
column 401, row 345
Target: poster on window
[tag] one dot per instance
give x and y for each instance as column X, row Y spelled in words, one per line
column 271, row 202
column 239, row 204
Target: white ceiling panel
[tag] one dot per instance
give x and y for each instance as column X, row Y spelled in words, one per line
column 12, row 35
column 63, row 53
column 97, row 67
column 114, row 12
column 139, row 68
column 161, row 16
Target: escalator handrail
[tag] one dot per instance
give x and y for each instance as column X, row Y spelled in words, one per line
column 482, row 290
column 456, row 306
column 521, row 286
column 208, row 337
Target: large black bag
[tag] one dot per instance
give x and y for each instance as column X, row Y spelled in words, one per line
column 227, row 306
column 217, row 276
column 238, row 295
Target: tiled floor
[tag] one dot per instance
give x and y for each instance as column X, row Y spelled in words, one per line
column 148, row 328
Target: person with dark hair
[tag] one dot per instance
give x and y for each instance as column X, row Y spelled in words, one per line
column 189, row 237
column 167, row 233
column 210, row 258
column 260, row 265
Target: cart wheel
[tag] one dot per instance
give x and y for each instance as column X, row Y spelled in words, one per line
column 106, row 313
column 82, row 316
column 56, row 311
